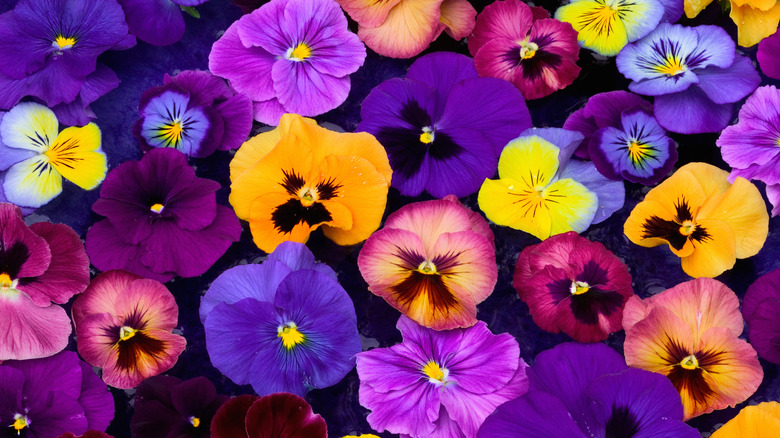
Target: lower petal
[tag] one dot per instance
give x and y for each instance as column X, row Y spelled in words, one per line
column 301, row 89
column 148, row 353
column 32, row 182
column 407, row 30
column 30, row 331
column 712, row 255
column 691, row 112
column 77, row 156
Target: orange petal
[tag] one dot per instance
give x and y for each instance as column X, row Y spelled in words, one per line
column 363, row 145
column 368, row 13
column 641, row 224
column 753, row 24
column 264, row 231
column 658, row 342
column 713, row 180
column 693, row 7
column 408, row 29
column 759, row 421
column 712, row 255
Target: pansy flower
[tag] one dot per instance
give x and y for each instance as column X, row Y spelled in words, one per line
column 36, row 156
column 165, row 406
column 40, row 266
column 158, row 22
column 404, row 28
column 124, row 324
column 161, row 220
column 194, row 112
column 693, row 73
column 535, row 53
column 760, row 306
column 757, row 421
column 606, row 26
column 279, row 415
column 560, row 195
column 434, row 261
column 768, row 57
column 706, row 221
column 573, row 285
column 289, row 56
column 440, row 384
column 285, row 325
column 755, row 19
column 583, row 391
column 443, row 126
column 290, row 181
column 689, row 333
column 52, row 396
column 750, row 147
column 54, row 45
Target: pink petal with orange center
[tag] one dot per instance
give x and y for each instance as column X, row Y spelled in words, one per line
column 147, row 354
column 149, row 304
column 430, row 219
column 101, row 295
column 508, row 19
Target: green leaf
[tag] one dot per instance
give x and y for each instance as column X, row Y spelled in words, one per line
column 190, row 10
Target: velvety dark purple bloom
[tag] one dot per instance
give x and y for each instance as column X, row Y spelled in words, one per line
column 440, row 384
column 194, row 112
column 694, row 74
column 751, row 146
column 443, row 126
column 158, row 22
column 581, row 391
column 285, row 325
column 167, row 407
column 289, row 56
column 759, row 309
column 161, row 220
column 279, row 415
column 44, row 398
column 55, row 45
column 768, row 55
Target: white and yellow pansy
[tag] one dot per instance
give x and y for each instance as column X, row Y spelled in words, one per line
column 36, row 156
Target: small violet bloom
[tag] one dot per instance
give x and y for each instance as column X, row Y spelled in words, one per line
column 158, row 22
column 535, row 53
column 583, row 391
column 289, row 56
column 561, row 194
column 285, row 325
column 52, row 396
column 35, row 156
column 694, row 74
column 194, row 112
column 54, row 45
column 404, row 28
column 753, row 421
column 573, row 285
column 434, row 261
column 39, row 264
column 440, row 384
column 689, row 333
column 124, row 324
column 706, row 221
column 279, row 415
column 291, row 180
column 751, row 146
column 759, row 308
column 166, row 407
column 161, row 220
column 443, row 126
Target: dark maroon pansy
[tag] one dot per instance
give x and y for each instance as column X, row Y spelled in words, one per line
column 759, row 308
column 279, row 415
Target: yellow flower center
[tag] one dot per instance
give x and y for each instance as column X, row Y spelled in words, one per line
column 435, row 373
column 171, row 133
column 298, row 53
column 126, row 333
column 290, row 335
column 427, row 268
column 687, row 228
column 579, row 287
column 308, row 196
column 62, row 42
column 20, row 422
column 157, row 208
column 5, row 281
column 427, row 135
column 528, row 49
column 690, row 363
column 672, row 67
column 194, row 421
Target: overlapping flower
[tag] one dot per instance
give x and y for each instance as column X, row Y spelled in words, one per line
column 759, row 308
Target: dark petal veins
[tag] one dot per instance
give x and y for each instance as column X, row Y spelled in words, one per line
column 534, row 67
column 622, row 423
column 286, row 216
column 137, row 348
column 12, row 259
column 588, row 306
column 328, row 189
column 292, row 182
column 411, row 258
column 593, row 274
column 670, row 230
column 431, row 286
column 445, row 262
column 560, row 289
column 691, row 381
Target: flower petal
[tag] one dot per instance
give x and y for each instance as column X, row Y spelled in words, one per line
column 30, row 126
column 32, row 182
column 407, row 30
column 77, row 156
column 30, row 331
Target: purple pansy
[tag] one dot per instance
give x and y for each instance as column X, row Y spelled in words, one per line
column 443, row 126
column 289, row 56
column 158, row 22
column 194, row 112
column 285, row 325
column 768, row 55
column 759, row 308
column 55, row 45
column 161, row 220
column 580, row 391
column 167, row 407
column 751, row 146
column 694, row 74
column 44, row 398
column 440, row 384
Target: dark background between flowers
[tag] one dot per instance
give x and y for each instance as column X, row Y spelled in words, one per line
column 653, row 270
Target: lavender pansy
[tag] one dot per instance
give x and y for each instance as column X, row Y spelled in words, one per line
column 694, row 74
column 285, row 325
column 759, row 309
column 580, row 391
column 44, row 398
column 289, row 56
column 158, row 22
column 161, row 220
column 440, row 384
column 194, row 112
column 443, row 126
